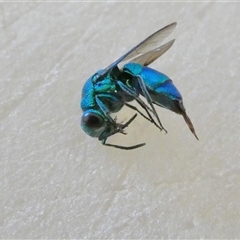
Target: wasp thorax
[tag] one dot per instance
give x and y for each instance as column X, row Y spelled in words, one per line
column 92, row 120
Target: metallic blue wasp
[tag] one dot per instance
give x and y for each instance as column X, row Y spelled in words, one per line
column 108, row 90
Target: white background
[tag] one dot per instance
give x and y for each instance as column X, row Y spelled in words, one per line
column 57, row 182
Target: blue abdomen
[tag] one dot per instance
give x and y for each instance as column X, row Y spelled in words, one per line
column 159, row 83
column 159, row 86
column 162, row 90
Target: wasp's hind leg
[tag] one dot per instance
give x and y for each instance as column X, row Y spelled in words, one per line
column 149, row 118
column 149, row 100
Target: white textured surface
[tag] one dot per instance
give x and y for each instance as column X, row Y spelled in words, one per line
column 56, row 182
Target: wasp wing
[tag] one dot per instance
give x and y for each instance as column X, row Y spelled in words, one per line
column 143, row 47
column 149, row 57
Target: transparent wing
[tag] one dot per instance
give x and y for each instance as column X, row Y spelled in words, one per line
column 149, row 57
column 148, row 44
column 151, row 42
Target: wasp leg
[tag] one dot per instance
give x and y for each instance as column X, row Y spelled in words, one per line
column 105, row 110
column 149, row 118
column 120, row 129
column 130, row 92
column 149, row 100
column 123, row 147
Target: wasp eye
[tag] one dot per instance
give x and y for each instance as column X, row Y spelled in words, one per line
column 92, row 120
